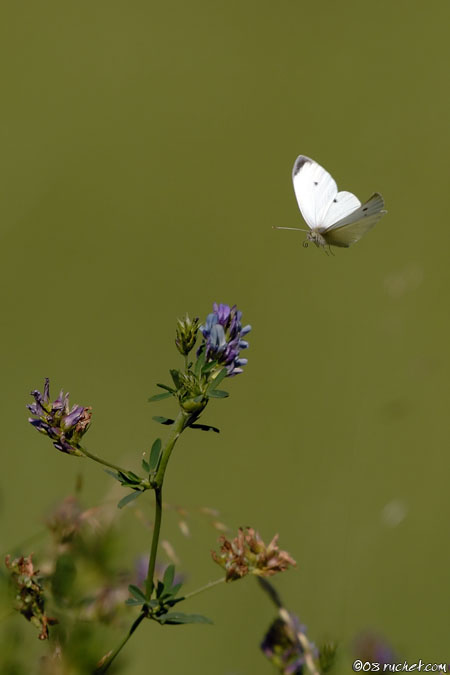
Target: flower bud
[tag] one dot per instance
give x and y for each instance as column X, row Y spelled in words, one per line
column 186, row 334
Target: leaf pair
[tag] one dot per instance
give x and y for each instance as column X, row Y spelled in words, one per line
column 166, row 592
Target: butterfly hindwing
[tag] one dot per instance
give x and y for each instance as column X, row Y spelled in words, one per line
column 350, row 229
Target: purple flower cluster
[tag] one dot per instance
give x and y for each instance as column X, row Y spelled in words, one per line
column 223, row 335
column 56, row 420
column 282, row 647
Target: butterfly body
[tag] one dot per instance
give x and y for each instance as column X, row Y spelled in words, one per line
column 334, row 218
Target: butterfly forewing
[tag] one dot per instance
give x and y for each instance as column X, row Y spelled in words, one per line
column 314, row 188
column 319, row 201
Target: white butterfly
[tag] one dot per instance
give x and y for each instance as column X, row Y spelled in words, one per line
column 334, row 218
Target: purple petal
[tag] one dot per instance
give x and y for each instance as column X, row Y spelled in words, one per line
column 73, row 417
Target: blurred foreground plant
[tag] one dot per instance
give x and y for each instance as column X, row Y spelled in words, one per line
column 217, row 357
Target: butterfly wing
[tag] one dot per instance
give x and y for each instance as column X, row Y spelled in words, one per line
column 318, row 199
column 314, row 189
column 351, row 228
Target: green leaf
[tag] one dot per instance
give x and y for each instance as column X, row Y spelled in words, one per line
column 176, row 588
column 209, row 366
column 133, row 476
column 174, row 618
column 159, row 589
column 113, row 474
column 159, row 397
column 129, row 498
column 154, row 455
column 136, row 592
column 164, row 386
column 176, row 377
column 200, row 362
column 218, row 379
column 146, row 466
column 204, row 427
column 163, row 420
column 218, row 393
column 169, row 575
column 132, row 602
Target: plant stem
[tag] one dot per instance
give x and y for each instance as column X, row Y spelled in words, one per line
column 178, row 426
column 177, row 429
column 104, row 667
column 204, row 588
column 149, row 582
column 101, row 461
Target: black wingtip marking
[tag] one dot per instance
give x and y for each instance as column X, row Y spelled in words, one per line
column 335, row 200
column 299, row 163
column 316, row 183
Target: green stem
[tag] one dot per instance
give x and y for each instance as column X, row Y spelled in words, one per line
column 204, row 588
column 104, row 667
column 178, row 426
column 177, row 429
column 149, row 583
column 101, row 461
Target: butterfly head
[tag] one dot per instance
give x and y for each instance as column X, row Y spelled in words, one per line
column 316, row 238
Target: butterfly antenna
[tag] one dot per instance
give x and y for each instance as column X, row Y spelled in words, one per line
column 296, row 229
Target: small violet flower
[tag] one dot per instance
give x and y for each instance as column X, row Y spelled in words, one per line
column 56, row 420
column 223, row 333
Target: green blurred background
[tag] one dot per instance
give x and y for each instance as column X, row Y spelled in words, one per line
column 146, row 154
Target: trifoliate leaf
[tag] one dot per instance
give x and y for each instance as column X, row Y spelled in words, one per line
column 159, row 397
column 154, row 455
column 164, row 386
column 204, row 427
column 218, row 379
column 136, row 592
column 169, row 575
column 218, row 393
column 129, row 498
column 163, row 420
column 173, row 618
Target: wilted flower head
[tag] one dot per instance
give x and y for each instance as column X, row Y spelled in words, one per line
column 56, row 420
column 223, row 333
column 248, row 554
column 187, row 330
column 30, row 593
column 65, row 520
column 282, row 646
